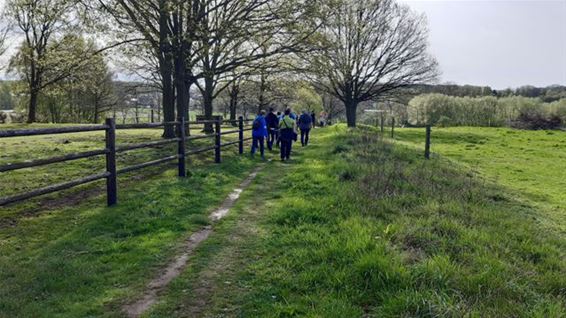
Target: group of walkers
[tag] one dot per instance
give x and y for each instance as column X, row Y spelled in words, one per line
column 280, row 130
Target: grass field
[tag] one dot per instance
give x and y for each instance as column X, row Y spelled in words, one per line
column 532, row 164
column 359, row 228
column 352, row 227
column 20, row 149
column 81, row 258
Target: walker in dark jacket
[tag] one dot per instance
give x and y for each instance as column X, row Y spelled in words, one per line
column 305, row 124
column 259, row 134
column 272, row 128
column 287, row 133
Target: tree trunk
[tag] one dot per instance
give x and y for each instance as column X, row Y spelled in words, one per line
column 168, row 101
column 208, row 98
column 262, row 89
column 234, row 91
column 32, row 107
column 180, row 86
column 180, row 66
column 166, row 69
column 95, row 121
column 351, row 107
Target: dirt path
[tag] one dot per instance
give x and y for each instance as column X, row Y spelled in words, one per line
column 178, row 264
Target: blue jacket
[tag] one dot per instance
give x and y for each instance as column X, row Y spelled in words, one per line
column 262, row 131
column 305, row 121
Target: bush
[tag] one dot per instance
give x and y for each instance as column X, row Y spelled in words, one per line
column 443, row 121
column 537, row 120
column 487, row 111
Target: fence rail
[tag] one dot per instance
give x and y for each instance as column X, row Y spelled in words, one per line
column 111, row 150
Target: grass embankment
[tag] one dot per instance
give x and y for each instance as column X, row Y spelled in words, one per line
column 84, row 259
column 530, row 163
column 356, row 227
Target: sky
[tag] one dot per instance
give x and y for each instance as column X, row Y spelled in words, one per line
column 497, row 43
column 500, row 43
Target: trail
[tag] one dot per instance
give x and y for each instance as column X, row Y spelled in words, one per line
column 179, row 263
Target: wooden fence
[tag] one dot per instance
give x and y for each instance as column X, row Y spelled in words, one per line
column 112, row 149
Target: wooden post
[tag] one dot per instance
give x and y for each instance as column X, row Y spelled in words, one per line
column 427, row 143
column 381, row 122
column 111, row 179
column 217, row 140
column 392, row 126
column 241, row 135
column 181, row 148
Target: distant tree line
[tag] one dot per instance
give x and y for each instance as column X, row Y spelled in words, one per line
column 488, row 111
column 210, row 51
column 546, row 94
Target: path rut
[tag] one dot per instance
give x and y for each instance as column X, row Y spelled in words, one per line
column 179, row 263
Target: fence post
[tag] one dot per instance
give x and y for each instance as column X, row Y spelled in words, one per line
column 381, row 122
column 181, row 148
column 111, row 182
column 392, row 126
column 241, row 135
column 217, row 141
column 427, row 143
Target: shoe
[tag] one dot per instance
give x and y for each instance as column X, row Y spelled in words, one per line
column 263, row 158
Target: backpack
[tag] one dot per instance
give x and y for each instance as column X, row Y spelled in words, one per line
column 256, row 124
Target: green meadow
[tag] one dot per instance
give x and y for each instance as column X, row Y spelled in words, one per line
column 354, row 226
column 358, row 226
column 531, row 164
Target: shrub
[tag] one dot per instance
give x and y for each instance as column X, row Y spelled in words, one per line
column 489, row 111
column 444, row 121
column 537, row 120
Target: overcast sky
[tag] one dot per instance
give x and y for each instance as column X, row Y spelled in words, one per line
column 500, row 43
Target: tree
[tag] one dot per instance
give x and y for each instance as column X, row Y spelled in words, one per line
column 40, row 22
column 370, row 48
column 3, row 41
column 152, row 19
column 238, row 35
column 6, row 99
column 307, row 99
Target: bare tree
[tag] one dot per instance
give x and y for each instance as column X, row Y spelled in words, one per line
column 370, row 48
column 237, row 35
column 3, row 41
column 152, row 19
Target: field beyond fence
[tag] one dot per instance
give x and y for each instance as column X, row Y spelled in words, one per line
column 111, row 149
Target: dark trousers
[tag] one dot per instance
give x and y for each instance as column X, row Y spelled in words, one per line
column 305, row 136
column 286, row 145
column 271, row 138
column 255, row 142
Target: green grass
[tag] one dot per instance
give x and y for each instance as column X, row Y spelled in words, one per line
column 358, row 227
column 530, row 163
column 28, row 148
column 353, row 226
column 79, row 258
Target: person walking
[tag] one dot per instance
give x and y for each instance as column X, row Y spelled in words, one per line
column 305, row 124
column 313, row 117
column 259, row 132
column 272, row 128
column 288, row 133
column 279, row 119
